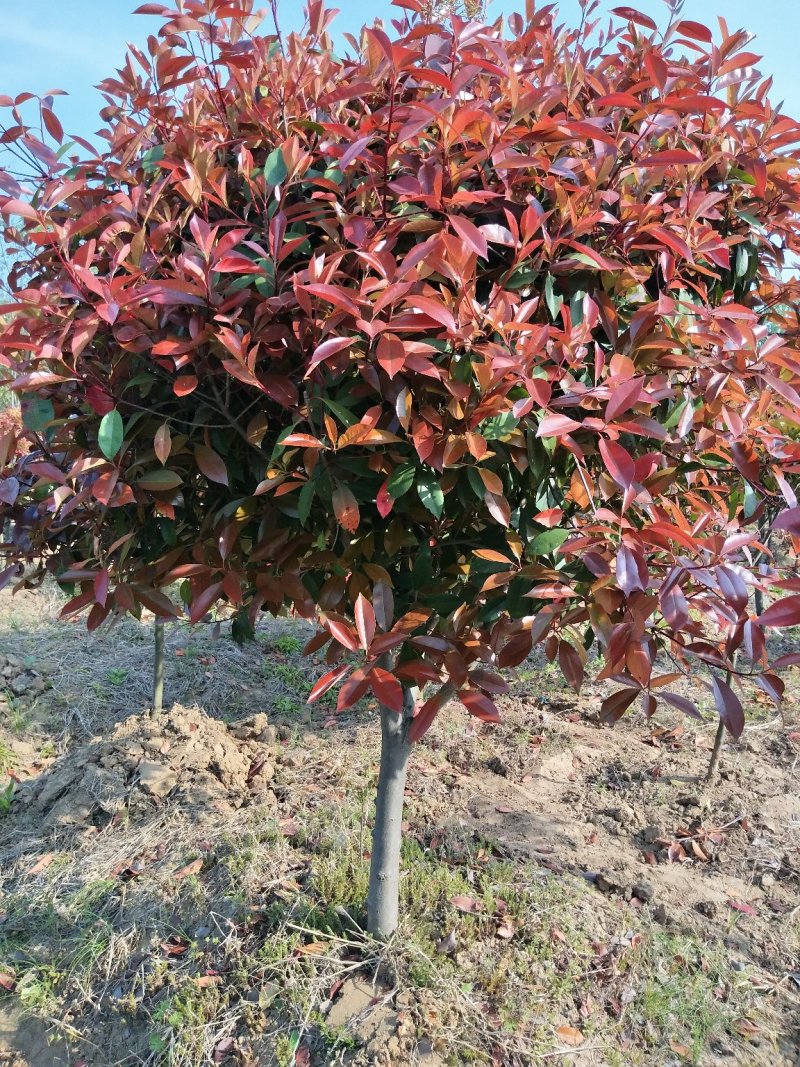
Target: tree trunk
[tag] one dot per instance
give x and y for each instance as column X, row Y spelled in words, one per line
column 714, row 761
column 383, row 901
column 158, row 666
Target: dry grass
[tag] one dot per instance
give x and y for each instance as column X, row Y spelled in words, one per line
column 120, row 950
column 101, row 677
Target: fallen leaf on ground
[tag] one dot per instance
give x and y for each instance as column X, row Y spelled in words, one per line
column 7, row 981
column 745, row 909
column 313, row 948
column 191, row 868
column 174, row 947
column 570, row 1036
column 41, row 864
column 447, row 945
column 467, row 904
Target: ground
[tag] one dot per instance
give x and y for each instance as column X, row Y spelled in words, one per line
column 188, row 887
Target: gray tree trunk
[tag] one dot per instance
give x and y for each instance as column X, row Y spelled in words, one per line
column 715, row 753
column 383, row 901
column 158, row 666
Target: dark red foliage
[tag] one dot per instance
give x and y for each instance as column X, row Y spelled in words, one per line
column 474, row 340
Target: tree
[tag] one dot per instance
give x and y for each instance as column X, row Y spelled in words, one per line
column 458, row 344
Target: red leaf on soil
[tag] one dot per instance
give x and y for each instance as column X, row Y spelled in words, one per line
column 191, row 868
column 570, row 1036
column 41, row 864
column 467, row 904
column 745, row 909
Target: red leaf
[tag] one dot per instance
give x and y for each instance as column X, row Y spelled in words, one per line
column 210, row 464
column 391, row 354
column 571, row 664
column 191, row 868
column 185, row 384
column 557, row 426
column 467, row 904
column 745, row 909
column 479, row 705
column 345, row 508
column 434, row 310
column 301, row 440
column 162, row 443
column 343, row 633
column 384, row 501
column 470, row 235
column 788, row 520
column 614, row 707
column 785, row 612
column 676, row 157
column 203, row 601
column 387, row 689
column 423, row 718
column 688, row 707
column 498, row 507
column 365, row 621
column 327, row 349
column 383, row 603
column 696, row 30
column 326, row 682
column 623, row 396
column 729, row 706
column 632, row 15
column 618, row 462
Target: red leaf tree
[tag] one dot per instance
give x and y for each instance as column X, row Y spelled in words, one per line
column 472, row 340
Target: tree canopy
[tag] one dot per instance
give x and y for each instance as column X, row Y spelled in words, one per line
column 470, row 338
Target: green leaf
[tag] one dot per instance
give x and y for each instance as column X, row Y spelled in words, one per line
column 160, row 481
column 742, row 176
column 548, row 541
column 110, row 434
column 751, row 500
column 498, row 426
column 304, row 500
column 400, row 481
column 476, row 482
column 275, row 169
column 551, row 299
column 152, row 157
column 431, row 495
column 37, row 414
column 343, row 414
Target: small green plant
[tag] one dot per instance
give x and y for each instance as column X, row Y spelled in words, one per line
column 288, row 644
column 7, row 797
column 287, row 705
column 117, row 676
column 7, row 757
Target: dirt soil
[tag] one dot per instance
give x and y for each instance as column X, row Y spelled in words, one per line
column 205, row 834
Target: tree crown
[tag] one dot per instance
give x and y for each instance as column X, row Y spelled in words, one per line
column 473, row 338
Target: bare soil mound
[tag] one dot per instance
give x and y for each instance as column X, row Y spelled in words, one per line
column 182, row 753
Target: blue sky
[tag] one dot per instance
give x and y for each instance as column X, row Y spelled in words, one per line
column 45, row 45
